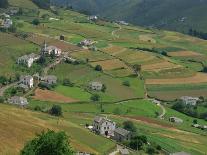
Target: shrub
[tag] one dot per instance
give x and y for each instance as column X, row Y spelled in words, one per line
column 151, row 150
column 103, row 88
column 36, row 22
column 56, row 110
column 67, row 82
column 95, row 98
column 98, row 68
column 48, row 143
column 128, row 125
column 126, row 83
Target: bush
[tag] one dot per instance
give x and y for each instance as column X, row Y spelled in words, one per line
column 103, row 88
column 1, row 99
column 95, row 98
column 67, row 82
column 56, row 110
column 151, row 150
column 48, row 143
column 98, row 68
column 126, row 83
column 36, row 22
column 128, row 125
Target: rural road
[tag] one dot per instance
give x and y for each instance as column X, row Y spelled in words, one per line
column 113, row 33
column 2, row 90
column 163, row 111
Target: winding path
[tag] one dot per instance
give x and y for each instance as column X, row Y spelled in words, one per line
column 113, row 33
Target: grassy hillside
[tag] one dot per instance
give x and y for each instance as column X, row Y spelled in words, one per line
column 177, row 15
column 19, row 125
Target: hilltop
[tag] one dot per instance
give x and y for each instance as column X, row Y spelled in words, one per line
column 178, row 15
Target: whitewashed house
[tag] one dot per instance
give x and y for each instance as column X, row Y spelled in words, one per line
column 93, row 18
column 104, row 126
column 189, row 100
column 27, row 80
column 7, row 23
column 97, row 86
column 86, row 42
column 17, row 100
column 28, row 60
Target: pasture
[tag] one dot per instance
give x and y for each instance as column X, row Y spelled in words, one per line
column 10, row 49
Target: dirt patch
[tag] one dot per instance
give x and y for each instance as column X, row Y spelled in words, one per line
column 184, row 54
column 110, row 64
column 160, row 66
column 47, row 95
column 197, row 78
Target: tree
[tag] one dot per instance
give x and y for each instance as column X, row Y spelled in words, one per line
column 103, row 88
column 3, row 80
column 48, row 143
column 126, row 83
column 36, row 22
column 164, row 53
column 98, row 68
column 205, row 69
column 137, row 68
column 4, row 4
column 56, row 110
column 195, row 121
column 151, row 150
column 128, row 125
column 95, row 98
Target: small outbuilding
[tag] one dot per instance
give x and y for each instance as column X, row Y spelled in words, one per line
column 121, row 135
column 175, row 120
column 17, row 100
column 97, row 86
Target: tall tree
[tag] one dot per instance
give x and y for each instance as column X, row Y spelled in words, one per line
column 48, row 143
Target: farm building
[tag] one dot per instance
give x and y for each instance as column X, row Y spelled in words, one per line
column 175, row 120
column 28, row 60
column 24, row 87
column 51, row 50
column 6, row 23
column 189, row 100
column 121, row 135
column 104, row 126
column 180, row 153
column 27, row 80
column 49, row 79
column 93, row 18
column 97, row 86
column 196, row 126
column 17, row 100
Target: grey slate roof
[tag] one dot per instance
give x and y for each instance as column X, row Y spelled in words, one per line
column 122, row 131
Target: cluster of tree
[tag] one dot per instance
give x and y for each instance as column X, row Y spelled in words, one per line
column 190, row 110
column 44, row 4
column 47, row 86
column 4, row 3
column 48, row 143
column 98, row 68
column 139, row 142
column 126, row 83
column 153, row 50
column 198, row 34
column 95, row 97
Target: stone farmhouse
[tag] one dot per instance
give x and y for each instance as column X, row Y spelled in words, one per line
column 175, row 120
column 97, row 86
column 17, row 100
column 28, row 60
column 189, row 100
column 49, row 79
column 121, row 135
column 6, row 23
column 104, row 126
column 27, row 80
column 51, row 50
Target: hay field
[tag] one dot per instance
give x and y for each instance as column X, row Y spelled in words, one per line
column 110, row 64
column 184, row 54
column 197, row 78
column 160, row 66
